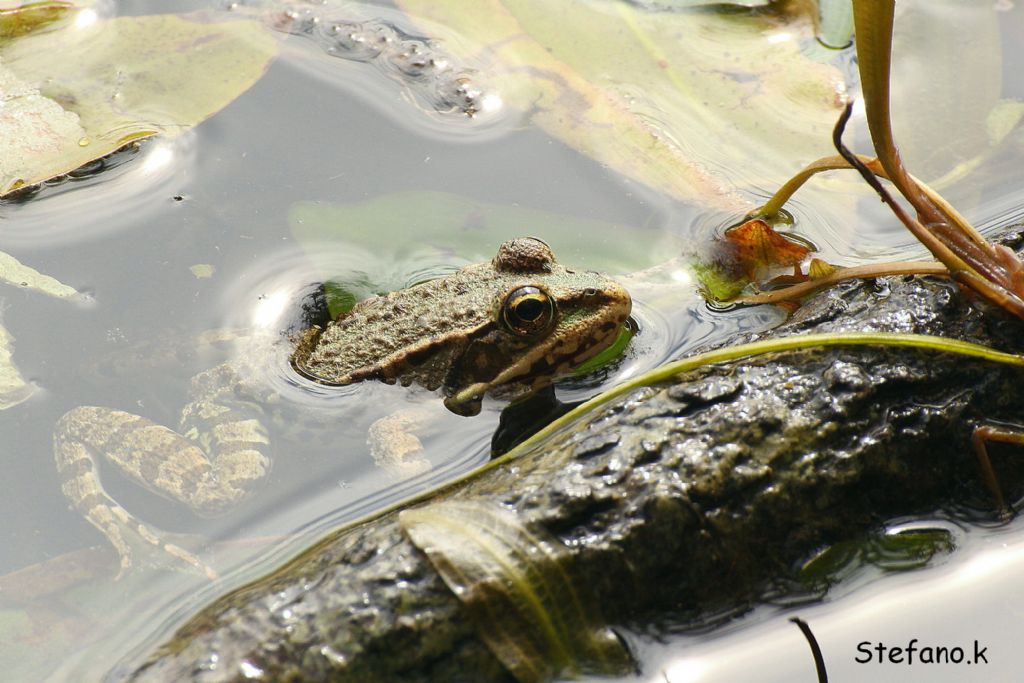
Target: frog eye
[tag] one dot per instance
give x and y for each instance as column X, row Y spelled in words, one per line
column 528, row 310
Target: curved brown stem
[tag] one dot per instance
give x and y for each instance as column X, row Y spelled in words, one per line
column 867, row 271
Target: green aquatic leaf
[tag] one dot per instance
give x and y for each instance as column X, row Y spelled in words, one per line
column 517, row 586
column 947, row 75
column 14, row 272
column 31, row 16
column 1003, row 118
column 13, row 387
column 681, row 4
column 363, row 248
column 455, row 230
column 695, row 104
column 76, row 94
column 202, row 270
column 890, row 551
column 453, row 224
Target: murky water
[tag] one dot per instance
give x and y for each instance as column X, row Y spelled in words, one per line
column 331, row 167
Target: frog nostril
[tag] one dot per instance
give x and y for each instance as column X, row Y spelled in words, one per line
column 589, row 291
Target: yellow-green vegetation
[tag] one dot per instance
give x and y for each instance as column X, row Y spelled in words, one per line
column 91, row 86
column 519, row 589
column 691, row 103
column 13, row 387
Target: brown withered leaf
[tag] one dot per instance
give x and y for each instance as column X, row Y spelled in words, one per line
column 752, row 249
column 749, row 253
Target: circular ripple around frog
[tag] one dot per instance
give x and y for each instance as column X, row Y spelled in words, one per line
column 274, row 300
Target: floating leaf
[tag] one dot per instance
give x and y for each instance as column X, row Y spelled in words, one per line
column 76, row 94
column 517, row 587
column 693, row 103
column 16, row 273
column 202, row 270
column 680, row 4
column 454, row 224
column 747, row 253
column 21, row 20
column 818, row 269
column 754, row 247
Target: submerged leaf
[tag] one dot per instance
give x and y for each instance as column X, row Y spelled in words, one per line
column 202, row 270
column 518, row 589
column 77, row 94
column 1003, row 118
column 947, row 75
column 473, row 229
column 13, row 387
column 692, row 103
column 364, row 247
column 895, row 550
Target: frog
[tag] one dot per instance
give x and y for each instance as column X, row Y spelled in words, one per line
column 508, row 327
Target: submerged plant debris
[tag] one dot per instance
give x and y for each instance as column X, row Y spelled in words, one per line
column 678, row 101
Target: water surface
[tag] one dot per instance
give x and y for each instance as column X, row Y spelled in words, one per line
column 238, row 194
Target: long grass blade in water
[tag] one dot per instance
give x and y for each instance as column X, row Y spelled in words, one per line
column 518, row 588
column 784, row 344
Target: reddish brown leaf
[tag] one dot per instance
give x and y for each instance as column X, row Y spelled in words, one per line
column 753, row 248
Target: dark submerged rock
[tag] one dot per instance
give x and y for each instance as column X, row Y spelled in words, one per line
column 676, row 501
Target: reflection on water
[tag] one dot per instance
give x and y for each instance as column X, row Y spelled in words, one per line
column 936, row 607
column 130, row 230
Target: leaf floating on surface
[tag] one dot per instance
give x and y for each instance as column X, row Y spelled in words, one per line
column 694, row 104
column 518, row 588
column 21, row 20
column 362, row 248
column 13, row 271
column 680, row 4
column 747, row 253
column 756, row 247
column 77, row 94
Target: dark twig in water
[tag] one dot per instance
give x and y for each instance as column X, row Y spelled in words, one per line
column 819, row 660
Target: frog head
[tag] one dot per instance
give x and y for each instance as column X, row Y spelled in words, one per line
column 546, row 320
